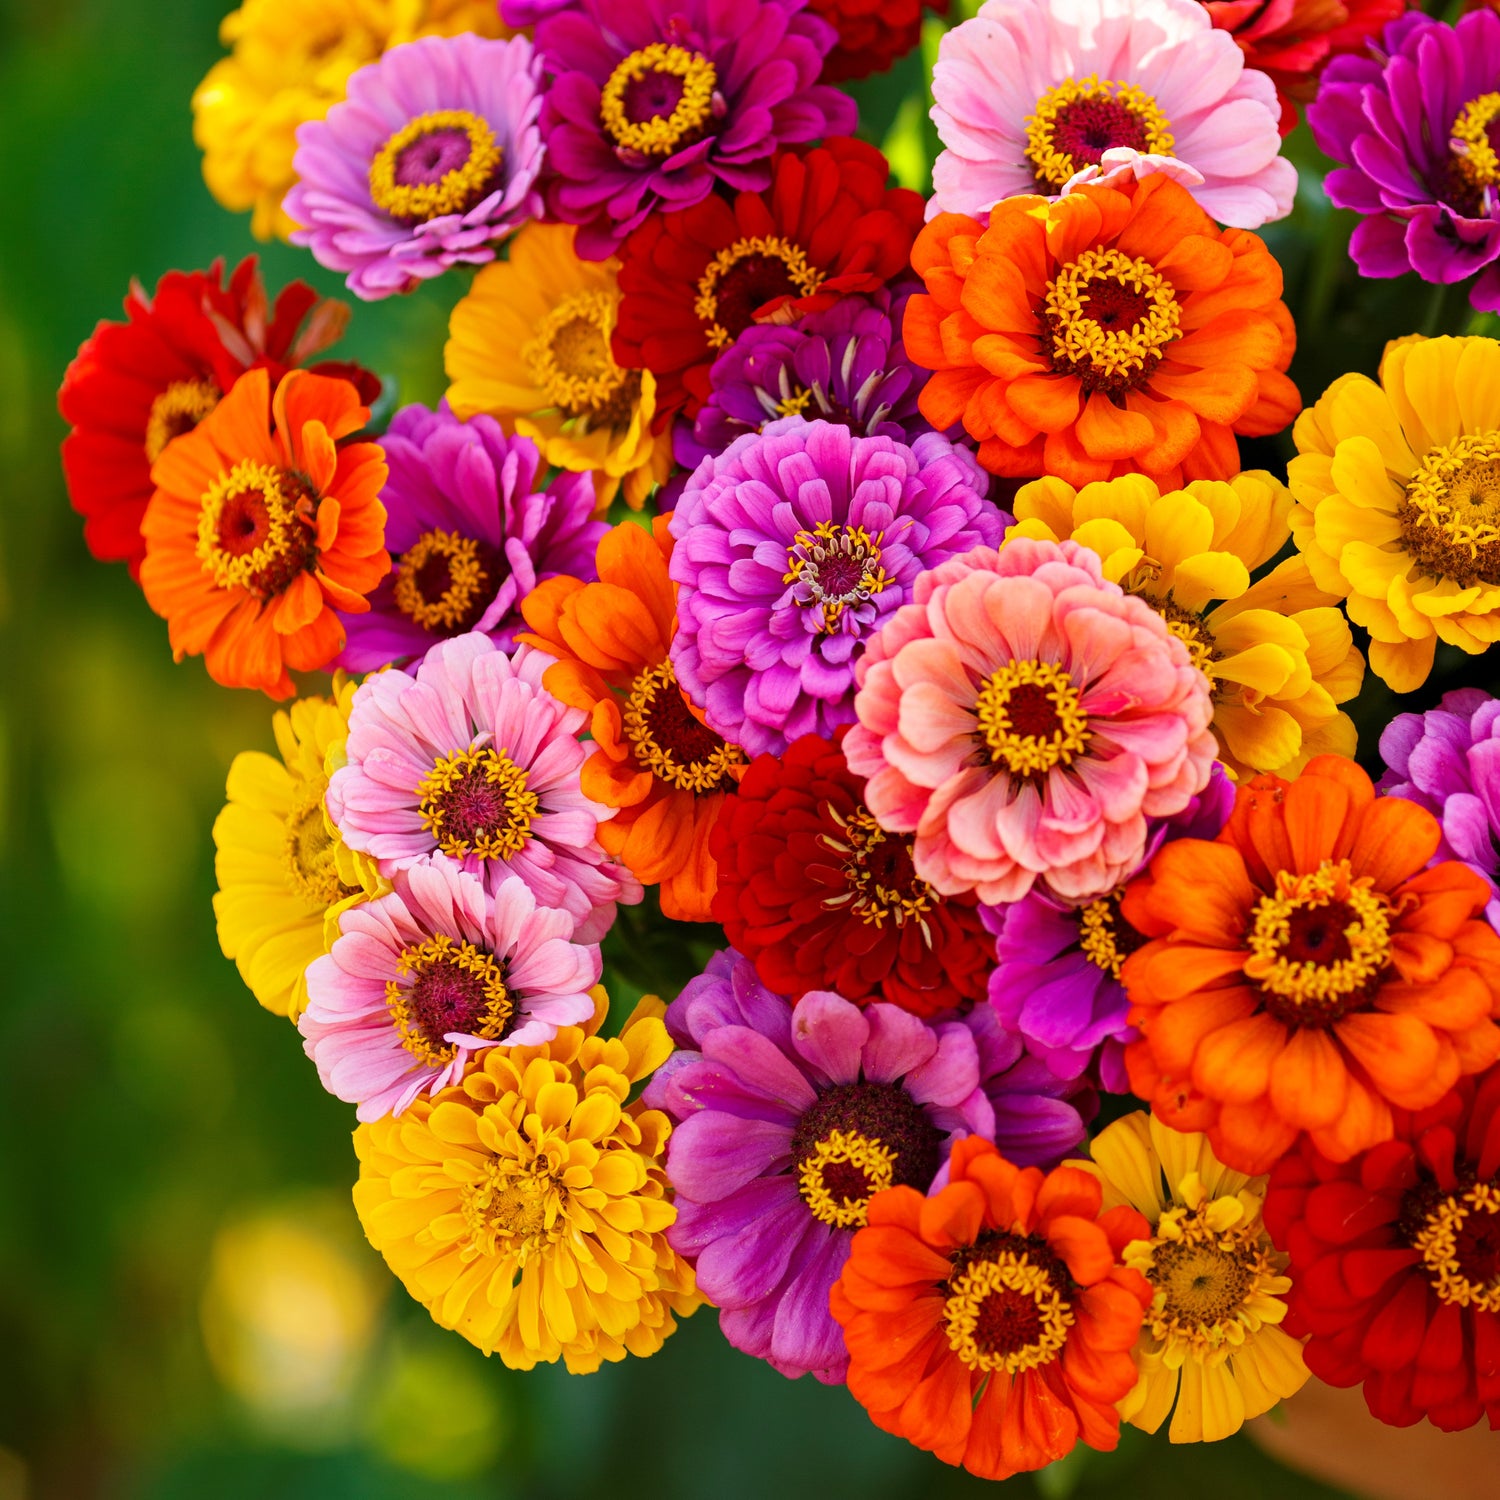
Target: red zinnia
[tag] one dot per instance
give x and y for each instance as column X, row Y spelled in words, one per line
column 1395, row 1261
column 692, row 282
column 820, row 897
column 873, row 34
column 135, row 386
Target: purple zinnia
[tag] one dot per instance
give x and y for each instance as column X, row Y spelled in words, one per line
column 470, row 535
column 1448, row 761
column 430, row 161
column 655, row 102
column 791, row 1117
column 1056, row 983
column 846, row 364
column 1419, row 125
column 795, row 545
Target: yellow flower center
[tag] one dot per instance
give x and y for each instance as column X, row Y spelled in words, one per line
column 512, row 1209
column 476, row 801
column 1319, row 944
column 443, row 581
column 833, row 566
column 795, row 404
column 1450, row 518
column 1470, row 141
column 179, row 409
column 1459, row 1242
column 745, row 276
column 669, row 741
column 1005, row 1310
column 658, row 99
column 1105, row 937
column 1082, row 118
column 1031, row 717
column 880, row 880
column 309, row 850
column 1110, row 317
column 1188, row 626
column 843, row 1172
column 443, row 162
column 254, row 529
column 447, row 986
column 570, row 359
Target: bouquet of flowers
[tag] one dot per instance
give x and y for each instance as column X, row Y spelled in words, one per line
column 915, row 632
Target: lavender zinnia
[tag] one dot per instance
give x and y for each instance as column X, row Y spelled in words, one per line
column 470, row 534
column 792, row 1117
column 793, row 546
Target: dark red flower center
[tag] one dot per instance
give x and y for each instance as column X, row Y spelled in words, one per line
column 1033, row 711
column 744, row 277
column 451, row 986
column 668, row 740
column 1088, row 127
column 652, row 96
column 477, row 801
column 254, row 531
column 1008, row 1303
column 431, row 157
column 445, row 582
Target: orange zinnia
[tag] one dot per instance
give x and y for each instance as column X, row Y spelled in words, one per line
column 992, row 1322
column 1307, row 971
column 654, row 757
column 1111, row 331
column 257, row 531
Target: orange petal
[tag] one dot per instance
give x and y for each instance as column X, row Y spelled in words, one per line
column 1394, row 841
column 1309, row 1081
column 1399, row 1052
column 1234, row 1063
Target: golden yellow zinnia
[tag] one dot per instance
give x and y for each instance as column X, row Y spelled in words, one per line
column 291, row 62
column 284, row 872
column 530, row 346
column 525, row 1207
column 1210, row 1342
column 1398, row 501
column 1278, row 652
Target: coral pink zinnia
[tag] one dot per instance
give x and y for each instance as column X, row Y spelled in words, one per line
column 1025, row 718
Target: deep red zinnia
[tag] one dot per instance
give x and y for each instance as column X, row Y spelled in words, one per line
column 873, row 34
column 819, row 897
column 692, row 282
column 1395, row 1261
column 134, row 386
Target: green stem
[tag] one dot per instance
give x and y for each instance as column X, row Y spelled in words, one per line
column 1443, row 309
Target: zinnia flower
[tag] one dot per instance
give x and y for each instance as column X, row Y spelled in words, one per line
column 873, row 34
column 1395, row 1261
column 820, row 897
column 1212, row 1342
column 792, row 1117
column 1056, row 978
column 395, row 191
column 842, row 365
column 1307, row 972
column 1291, row 41
column 991, row 1323
column 422, row 979
column 529, row 345
column 654, row 103
column 1088, row 713
column 473, row 757
column 244, row 560
column 1448, row 761
column 1113, row 331
column 1398, row 489
column 693, row 281
column 525, row 1207
column 1411, row 125
column 1278, row 652
column 290, row 62
column 285, row 875
column 794, row 546
column 1030, row 93
column 134, row 386
column 652, row 759
column 472, row 530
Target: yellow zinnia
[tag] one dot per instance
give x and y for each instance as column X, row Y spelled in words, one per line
column 1210, row 1341
column 284, row 872
column 1398, row 491
column 530, row 346
column 525, row 1207
column 1279, row 654
column 290, row 63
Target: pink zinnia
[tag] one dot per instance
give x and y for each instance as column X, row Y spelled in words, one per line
column 1030, row 93
column 473, row 757
column 424, row 978
column 1024, row 718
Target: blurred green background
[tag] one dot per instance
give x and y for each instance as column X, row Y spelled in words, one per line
column 187, row 1307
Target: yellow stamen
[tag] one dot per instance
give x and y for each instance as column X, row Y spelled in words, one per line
column 1031, row 717
column 1086, row 307
column 862, row 1167
column 463, row 963
column 512, row 1207
column 1055, row 165
column 659, row 135
column 655, row 694
column 569, row 358
column 1096, row 935
column 836, row 566
column 310, row 852
column 1450, row 518
column 494, row 787
column 869, row 899
column 1017, row 1280
column 1438, row 1245
column 250, row 534
column 1469, row 140
column 179, row 409
column 805, row 279
column 466, row 574
column 456, row 191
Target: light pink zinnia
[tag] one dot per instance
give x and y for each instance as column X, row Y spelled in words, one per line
column 1031, row 93
column 475, row 758
column 1024, row 718
column 422, row 979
